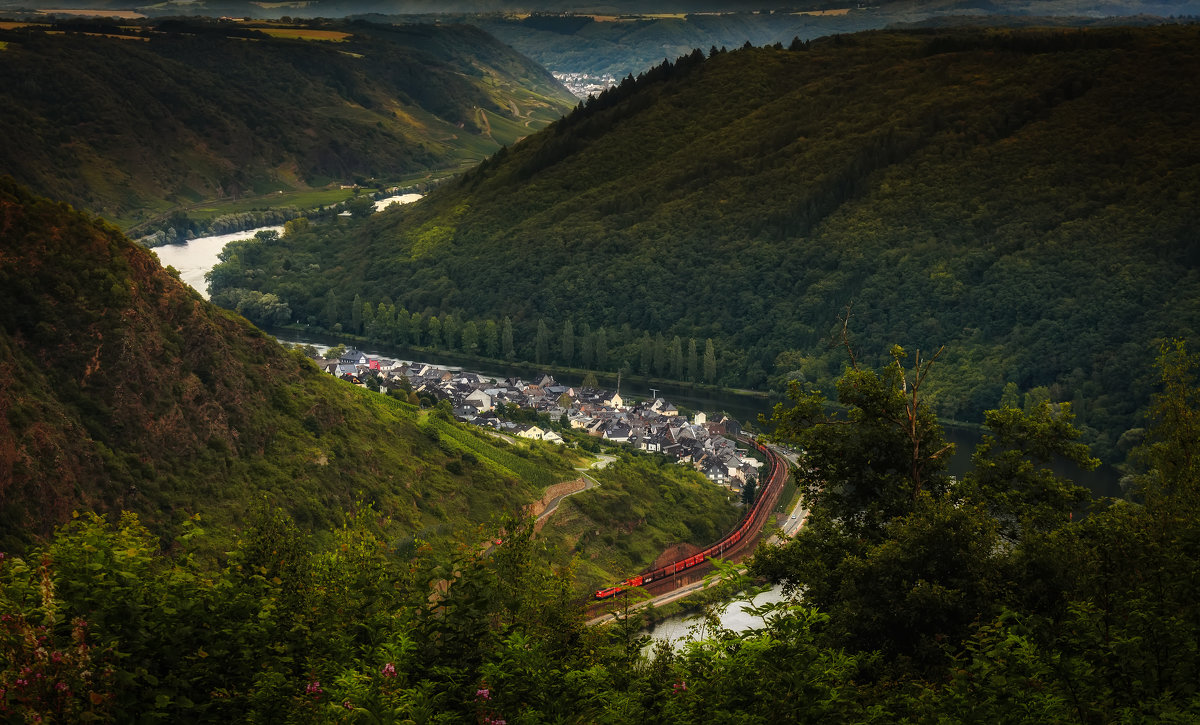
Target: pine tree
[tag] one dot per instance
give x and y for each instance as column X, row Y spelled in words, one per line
column 748, row 493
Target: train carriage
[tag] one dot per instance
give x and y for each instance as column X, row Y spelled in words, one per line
column 772, row 479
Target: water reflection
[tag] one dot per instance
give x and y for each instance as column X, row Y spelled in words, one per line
column 680, row 629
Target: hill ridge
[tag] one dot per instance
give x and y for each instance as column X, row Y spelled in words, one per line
column 945, row 182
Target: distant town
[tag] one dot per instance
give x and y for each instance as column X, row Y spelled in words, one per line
column 583, row 85
column 653, row 425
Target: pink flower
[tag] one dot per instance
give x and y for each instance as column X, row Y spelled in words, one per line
column 314, row 689
column 483, row 694
column 389, row 670
column 680, row 686
column 347, row 704
column 60, row 686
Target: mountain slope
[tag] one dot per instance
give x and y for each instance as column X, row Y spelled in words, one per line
column 1025, row 198
column 122, row 389
column 164, row 114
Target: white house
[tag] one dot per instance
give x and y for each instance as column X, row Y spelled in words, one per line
column 480, row 400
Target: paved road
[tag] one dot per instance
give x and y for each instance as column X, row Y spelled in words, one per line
column 601, row 461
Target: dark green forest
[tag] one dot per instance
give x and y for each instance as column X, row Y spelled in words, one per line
column 1024, row 198
column 196, row 525
column 925, row 599
column 131, row 120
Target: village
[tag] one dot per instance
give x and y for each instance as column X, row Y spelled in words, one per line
column 653, row 425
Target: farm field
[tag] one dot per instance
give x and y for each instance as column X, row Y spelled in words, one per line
column 306, row 34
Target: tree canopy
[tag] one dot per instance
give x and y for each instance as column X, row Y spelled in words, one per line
column 947, row 183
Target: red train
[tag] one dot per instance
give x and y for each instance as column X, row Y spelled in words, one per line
column 726, row 543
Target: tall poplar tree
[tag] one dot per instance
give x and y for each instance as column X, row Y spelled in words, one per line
column 506, row 339
column 660, row 355
column 541, row 344
column 449, row 331
column 491, row 338
column 693, row 362
column 470, row 338
column 368, row 318
column 416, row 329
column 356, row 310
column 568, row 343
column 601, row 349
column 677, row 358
column 710, row 362
column 403, row 326
column 585, row 345
column 329, row 314
column 434, row 327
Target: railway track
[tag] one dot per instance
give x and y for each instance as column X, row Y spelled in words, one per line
column 734, row 546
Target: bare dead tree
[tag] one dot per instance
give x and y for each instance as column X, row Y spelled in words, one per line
column 844, row 318
column 911, row 393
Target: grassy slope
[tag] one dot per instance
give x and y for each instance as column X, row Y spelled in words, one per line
column 1024, row 198
column 641, row 508
column 122, row 389
column 119, row 126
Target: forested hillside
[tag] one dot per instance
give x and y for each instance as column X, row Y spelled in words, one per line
column 122, row 389
column 130, row 119
column 1024, row 198
column 926, row 599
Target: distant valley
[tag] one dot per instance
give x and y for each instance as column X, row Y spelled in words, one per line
column 890, row 229
column 942, row 184
column 134, row 120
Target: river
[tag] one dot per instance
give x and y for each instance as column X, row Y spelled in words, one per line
column 677, row 630
column 194, row 258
